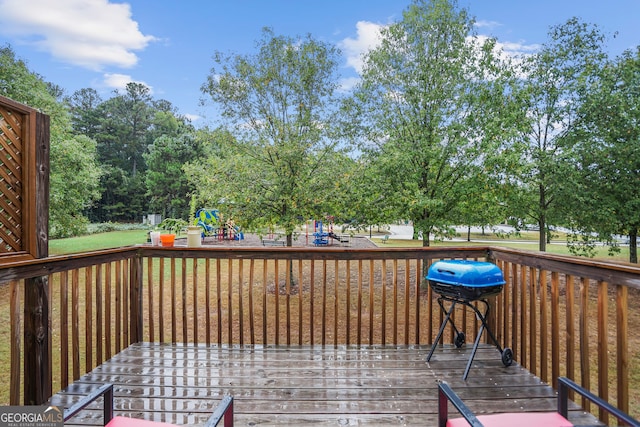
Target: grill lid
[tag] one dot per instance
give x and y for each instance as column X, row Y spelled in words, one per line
column 465, row 273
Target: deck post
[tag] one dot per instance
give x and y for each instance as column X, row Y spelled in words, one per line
column 37, row 327
column 37, row 367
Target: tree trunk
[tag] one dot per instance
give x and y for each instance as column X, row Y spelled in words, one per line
column 633, row 246
column 291, row 276
column 542, row 240
column 426, row 239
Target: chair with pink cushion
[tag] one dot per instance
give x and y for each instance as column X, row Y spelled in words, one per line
column 522, row 419
column 224, row 411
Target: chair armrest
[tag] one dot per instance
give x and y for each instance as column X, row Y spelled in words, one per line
column 445, row 395
column 565, row 384
column 223, row 410
column 106, row 390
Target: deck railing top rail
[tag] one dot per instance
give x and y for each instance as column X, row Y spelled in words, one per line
column 612, row 272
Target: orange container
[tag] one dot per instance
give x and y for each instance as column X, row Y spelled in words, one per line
column 167, row 239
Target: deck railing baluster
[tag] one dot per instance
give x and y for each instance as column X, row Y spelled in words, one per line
column 570, row 328
column 174, row 296
column 622, row 343
column 75, row 323
column 603, row 347
column 312, row 301
column 555, row 328
column 252, row 334
column 525, row 353
column 514, row 311
column 407, row 299
column 240, row 300
column 195, row 317
column 418, row 299
column 264, row 302
column 64, row 332
column 183, row 300
column 99, row 325
column 584, row 338
column 372, row 310
column 300, row 303
column 336, row 299
column 383, row 307
column 543, row 328
column 150, row 297
column 276, row 294
column 207, row 293
column 347, row 313
column 287, row 281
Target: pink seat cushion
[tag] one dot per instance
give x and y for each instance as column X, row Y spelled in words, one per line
column 522, row 419
column 136, row 422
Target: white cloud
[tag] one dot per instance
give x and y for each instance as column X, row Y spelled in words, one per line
column 348, row 83
column 88, row 33
column 119, row 81
column 487, row 24
column 512, row 50
column 368, row 38
column 193, row 117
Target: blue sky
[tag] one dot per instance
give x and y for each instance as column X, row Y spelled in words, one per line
column 168, row 44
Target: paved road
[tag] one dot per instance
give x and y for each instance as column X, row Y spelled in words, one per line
column 405, row 232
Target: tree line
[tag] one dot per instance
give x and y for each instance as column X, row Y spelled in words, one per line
column 442, row 128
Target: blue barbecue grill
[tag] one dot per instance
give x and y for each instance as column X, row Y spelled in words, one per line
column 463, row 282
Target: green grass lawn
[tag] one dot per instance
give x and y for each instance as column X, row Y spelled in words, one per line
column 526, row 241
column 92, row 242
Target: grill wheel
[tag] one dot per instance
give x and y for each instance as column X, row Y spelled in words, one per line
column 507, row 356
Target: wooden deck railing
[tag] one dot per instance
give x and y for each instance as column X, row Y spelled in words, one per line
column 556, row 313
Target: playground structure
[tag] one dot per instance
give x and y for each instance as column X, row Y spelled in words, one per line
column 321, row 237
column 212, row 223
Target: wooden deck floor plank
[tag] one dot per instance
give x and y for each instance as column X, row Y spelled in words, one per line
column 300, row 385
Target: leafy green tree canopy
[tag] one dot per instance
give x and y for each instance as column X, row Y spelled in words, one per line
column 431, row 106
column 550, row 95
column 279, row 167
column 603, row 196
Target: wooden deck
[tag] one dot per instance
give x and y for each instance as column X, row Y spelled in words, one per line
column 307, row 385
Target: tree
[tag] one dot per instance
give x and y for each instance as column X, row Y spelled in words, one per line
column 167, row 184
column 85, row 116
column 432, row 106
column 550, row 90
column 126, row 120
column 604, row 196
column 73, row 167
column 278, row 103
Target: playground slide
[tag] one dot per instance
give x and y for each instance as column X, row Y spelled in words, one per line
column 338, row 238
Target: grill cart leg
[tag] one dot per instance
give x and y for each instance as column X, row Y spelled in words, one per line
column 447, row 318
column 506, row 354
column 473, row 352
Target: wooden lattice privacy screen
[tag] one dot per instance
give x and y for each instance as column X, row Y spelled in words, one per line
column 22, row 196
